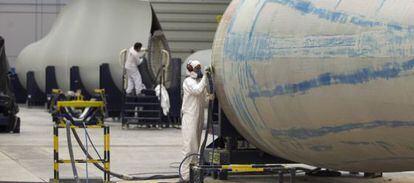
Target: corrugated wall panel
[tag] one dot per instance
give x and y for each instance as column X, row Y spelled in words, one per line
column 189, row 25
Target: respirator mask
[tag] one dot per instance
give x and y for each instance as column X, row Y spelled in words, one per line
column 194, row 68
column 197, row 74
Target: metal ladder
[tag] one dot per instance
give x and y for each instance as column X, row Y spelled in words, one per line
column 142, row 110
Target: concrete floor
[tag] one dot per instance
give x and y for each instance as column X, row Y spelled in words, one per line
column 28, row 156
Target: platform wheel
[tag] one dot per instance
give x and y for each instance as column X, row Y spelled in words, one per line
column 215, row 175
column 223, row 175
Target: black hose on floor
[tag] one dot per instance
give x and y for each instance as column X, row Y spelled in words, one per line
column 118, row 175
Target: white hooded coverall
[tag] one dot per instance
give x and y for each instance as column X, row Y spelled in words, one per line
column 192, row 119
column 134, row 59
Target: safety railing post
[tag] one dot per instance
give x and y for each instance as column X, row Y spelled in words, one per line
column 55, row 153
column 107, row 155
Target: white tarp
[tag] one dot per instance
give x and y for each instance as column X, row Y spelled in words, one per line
column 164, row 99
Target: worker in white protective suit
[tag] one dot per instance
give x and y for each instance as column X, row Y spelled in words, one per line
column 134, row 59
column 194, row 100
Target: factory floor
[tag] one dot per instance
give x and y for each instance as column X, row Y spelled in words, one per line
column 28, row 156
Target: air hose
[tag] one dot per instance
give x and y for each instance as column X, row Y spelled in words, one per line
column 97, row 165
column 129, row 177
column 70, row 147
column 209, row 119
column 182, row 162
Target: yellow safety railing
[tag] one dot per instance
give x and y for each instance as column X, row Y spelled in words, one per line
column 105, row 161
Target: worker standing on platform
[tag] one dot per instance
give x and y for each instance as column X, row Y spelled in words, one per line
column 194, row 101
column 134, row 58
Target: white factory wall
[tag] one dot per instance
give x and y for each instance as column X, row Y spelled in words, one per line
column 189, row 25
column 25, row 21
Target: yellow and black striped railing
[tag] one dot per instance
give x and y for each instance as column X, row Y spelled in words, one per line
column 105, row 161
column 107, row 155
column 63, row 125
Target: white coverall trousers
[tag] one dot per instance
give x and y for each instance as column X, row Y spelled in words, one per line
column 192, row 128
column 134, row 82
column 192, row 120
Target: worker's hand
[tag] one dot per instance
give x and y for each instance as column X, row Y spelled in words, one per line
column 208, row 70
column 210, row 96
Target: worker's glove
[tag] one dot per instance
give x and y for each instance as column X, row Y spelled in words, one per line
column 208, row 70
column 71, row 93
column 141, row 59
column 210, row 96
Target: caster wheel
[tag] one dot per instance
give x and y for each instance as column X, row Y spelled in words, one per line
column 215, row 175
column 223, row 175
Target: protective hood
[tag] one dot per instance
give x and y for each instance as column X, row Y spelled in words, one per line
column 193, row 64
